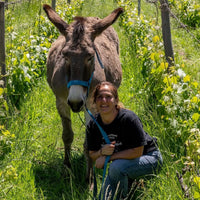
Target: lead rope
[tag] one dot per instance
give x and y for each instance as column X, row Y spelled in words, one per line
column 87, row 84
column 103, row 133
column 105, row 136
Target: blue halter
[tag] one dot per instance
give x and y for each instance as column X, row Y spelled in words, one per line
column 85, row 83
column 78, row 82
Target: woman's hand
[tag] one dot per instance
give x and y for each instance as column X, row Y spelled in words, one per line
column 108, row 149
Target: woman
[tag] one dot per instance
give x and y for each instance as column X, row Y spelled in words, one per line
column 133, row 152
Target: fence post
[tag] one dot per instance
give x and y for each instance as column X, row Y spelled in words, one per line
column 2, row 43
column 139, row 7
column 53, row 4
column 166, row 31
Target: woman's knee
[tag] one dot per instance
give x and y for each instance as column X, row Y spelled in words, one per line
column 115, row 169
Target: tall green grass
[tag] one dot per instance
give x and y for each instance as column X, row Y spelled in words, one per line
column 34, row 166
column 37, row 153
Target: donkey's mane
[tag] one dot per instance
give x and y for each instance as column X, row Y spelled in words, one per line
column 79, row 29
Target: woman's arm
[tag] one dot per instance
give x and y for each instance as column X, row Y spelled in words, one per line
column 125, row 154
column 128, row 154
column 95, row 154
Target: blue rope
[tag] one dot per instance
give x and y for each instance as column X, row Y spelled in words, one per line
column 105, row 136
column 98, row 58
column 87, row 84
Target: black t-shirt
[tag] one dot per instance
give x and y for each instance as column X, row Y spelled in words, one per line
column 126, row 129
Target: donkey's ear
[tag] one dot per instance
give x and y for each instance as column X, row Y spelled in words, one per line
column 103, row 24
column 55, row 19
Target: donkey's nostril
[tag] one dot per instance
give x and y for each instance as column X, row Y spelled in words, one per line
column 76, row 106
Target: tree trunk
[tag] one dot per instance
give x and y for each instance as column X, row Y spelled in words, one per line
column 166, row 31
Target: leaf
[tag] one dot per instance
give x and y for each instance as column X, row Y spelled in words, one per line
column 195, row 117
column 1, row 91
column 196, row 195
column 155, row 39
column 197, row 181
column 186, row 78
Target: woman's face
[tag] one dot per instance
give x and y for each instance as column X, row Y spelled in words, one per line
column 105, row 101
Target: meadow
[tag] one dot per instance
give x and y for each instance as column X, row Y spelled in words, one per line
column 166, row 99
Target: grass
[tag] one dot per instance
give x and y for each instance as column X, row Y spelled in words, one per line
column 37, row 152
column 185, row 41
column 26, row 12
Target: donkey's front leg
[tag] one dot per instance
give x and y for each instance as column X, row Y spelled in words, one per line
column 67, row 137
column 89, row 169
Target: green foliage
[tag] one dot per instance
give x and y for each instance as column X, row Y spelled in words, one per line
column 188, row 11
column 3, row 102
column 33, row 167
column 6, row 140
column 26, row 56
column 169, row 90
column 167, row 100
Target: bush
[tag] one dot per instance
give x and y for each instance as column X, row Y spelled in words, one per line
column 26, row 56
column 167, row 90
column 188, row 11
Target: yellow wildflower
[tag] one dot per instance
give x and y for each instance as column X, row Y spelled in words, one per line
column 196, row 195
column 197, row 180
column 194, row 100
column 6, row 132
column 166, row 80
column 168, row 89
column 153, row 70
column 186, row 78
column 9, row 29
column 152, row 56
column 195, row 117
column 183, row 65
column 1, row 127
column 1, row 91
column 162, row 65
column 156, row 39
column 195, row 84
column 173, row 79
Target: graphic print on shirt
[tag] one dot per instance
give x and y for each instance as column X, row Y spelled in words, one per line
column 113, row 137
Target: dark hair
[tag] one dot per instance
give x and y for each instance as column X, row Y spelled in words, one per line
column 113, row 90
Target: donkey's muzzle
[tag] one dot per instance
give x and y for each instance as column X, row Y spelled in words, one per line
column 76, row 106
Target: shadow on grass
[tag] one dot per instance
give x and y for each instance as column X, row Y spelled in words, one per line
column 55, row 182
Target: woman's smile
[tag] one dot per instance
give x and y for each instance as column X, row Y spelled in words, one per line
column 106, row 103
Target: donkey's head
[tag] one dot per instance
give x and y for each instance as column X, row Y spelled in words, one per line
column 79, row 51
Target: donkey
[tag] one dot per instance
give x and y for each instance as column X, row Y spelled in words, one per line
column 86, row 53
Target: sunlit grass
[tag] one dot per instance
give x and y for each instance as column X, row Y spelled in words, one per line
column 37, row 153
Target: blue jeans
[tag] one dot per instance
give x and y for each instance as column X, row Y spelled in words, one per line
column 116, row 183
